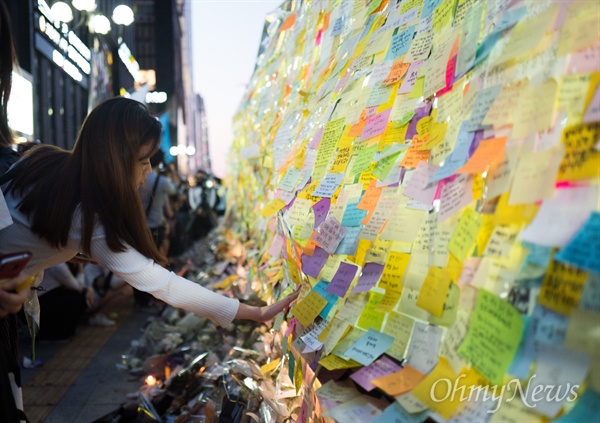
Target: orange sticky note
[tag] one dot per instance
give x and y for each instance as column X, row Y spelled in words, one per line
column 396, row 73
column 400, row 382
column 488, row 152
column 273, row 207
column 288, row 23
column 414, row 154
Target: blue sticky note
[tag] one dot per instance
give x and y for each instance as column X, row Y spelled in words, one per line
column 590, row 297
column 521, row 361
column 538, row 254
column 321, row 289
column 587, row 409
column 369, row 347
column 400, row 43
column 353, row 216
column 458, row 157
column 328, row 185
column 544, row 327
column 349, row 244
column 395, row 413
column 509, row 18
column 428, row 7
column 338, row 27
column 584, row 249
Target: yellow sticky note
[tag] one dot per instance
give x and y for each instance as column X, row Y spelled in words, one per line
column 432, row 296
column 513, row 215
column 436, row 135
column 581, row 159
column 438, row 396
column 370, row 318
column 465, row 234
column 341, row 160
column 272, row 208
column 400, row 327
column 269, row 367
column 361, row 251
column 389, row 301
column 333, row 362
column 562, row 287
column 308, row 308
column 449, row 309
column 393, row 272
column 298, row 376
column 417, row 90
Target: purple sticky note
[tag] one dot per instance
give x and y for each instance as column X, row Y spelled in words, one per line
column 369, row 277
column 382, row 367
column 321, row 209
column 316, row 139
column 342, row 279
column 312, row 265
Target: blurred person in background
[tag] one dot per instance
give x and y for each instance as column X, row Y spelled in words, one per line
column 155, row 192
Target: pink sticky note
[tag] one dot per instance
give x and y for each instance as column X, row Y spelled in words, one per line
column 417, row 187
column 277, row 246
column 382, row 367
column 329, row 234
column 376, row 125
column 455, row 195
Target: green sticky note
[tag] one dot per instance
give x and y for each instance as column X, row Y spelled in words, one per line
column 493, row 338
column 383, row 166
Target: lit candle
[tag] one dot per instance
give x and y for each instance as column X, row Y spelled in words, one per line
column 150, row 380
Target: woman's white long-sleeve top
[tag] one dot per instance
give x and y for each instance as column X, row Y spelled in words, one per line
column 130, row 265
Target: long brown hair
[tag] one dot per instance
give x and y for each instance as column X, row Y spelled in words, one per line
column 98, row 174
column 7, row 60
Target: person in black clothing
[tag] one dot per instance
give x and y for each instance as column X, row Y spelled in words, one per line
column 11, row 406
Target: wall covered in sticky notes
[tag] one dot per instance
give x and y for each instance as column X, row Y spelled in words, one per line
column 429, row 173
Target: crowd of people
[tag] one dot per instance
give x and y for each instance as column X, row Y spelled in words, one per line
column 87, row 205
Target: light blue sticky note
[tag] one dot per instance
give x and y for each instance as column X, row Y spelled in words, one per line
column 353, row 216
column 349, row 244
column 587, row 409
column 338, row 26
column 428, row 7
column 584, row 249
column 484, row 100
column 400, row 43
column 321, row 289
column 590, row 297
column 538, row 254
column 458, row 157
column 545, row 327
column 328, row 185
column 394, row 413
column 369, row 347
column 521, row 361
column 509, row 18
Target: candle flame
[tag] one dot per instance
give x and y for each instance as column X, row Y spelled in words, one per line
column 150, row 380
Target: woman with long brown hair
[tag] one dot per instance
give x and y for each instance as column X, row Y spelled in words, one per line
column 86, row 201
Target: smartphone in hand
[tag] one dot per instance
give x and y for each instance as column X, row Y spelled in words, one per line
column 11, row 265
